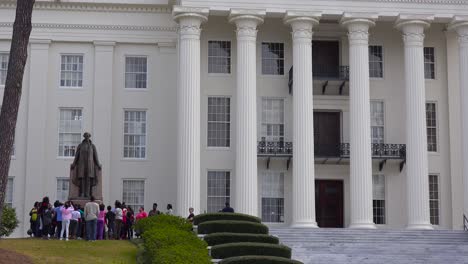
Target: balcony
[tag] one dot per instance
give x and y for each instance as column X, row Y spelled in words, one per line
column 327, row 76
column 333, row 153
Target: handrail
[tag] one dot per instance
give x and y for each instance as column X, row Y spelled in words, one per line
column 465, row 223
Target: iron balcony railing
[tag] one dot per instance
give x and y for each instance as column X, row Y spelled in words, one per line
column 342, row 150
column 324, row 72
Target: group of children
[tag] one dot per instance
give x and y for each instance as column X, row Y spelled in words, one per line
column 67, row 220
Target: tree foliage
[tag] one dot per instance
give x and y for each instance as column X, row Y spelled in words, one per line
column 9, row 221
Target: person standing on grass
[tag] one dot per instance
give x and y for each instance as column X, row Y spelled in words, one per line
column 227, row 208
column 58, row 218
column 130, row 219
column 74, row 222
column 118, row 219
column 91, row 215
column 155, row 210
column 100, row 222
column 66, row 211
column 191, row 215
column 33, row 220
column 110, row 222
column 169, row 209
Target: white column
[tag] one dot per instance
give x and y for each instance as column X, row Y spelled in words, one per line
column 417, row 179
column 460, row 24
column 359, row 104
column 245, row 192
column 303, row 181
column 102, row 112
column 188, row 100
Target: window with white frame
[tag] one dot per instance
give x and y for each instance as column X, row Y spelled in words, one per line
column 219, row 56
column 136, row 72
column 9, row 193
column 70, row 129
column 71, row 71
column 375, row 62
column 3, row 67
column 135, row 134
column 273, row 119
column 377, row 122
column 133, row 193
column 219, row 190
column 434, row 199
column 272, row 58
column 431, row 122
column 378, row 198
column 272, row 196
column 429, row 63
column 219, row 121
column 62, row 189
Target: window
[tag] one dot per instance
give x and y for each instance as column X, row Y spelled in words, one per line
column 431, row 121
column 135, row 134
column 219, row 57
column 273, row 119
column 62, row 189
column 378, row 198
column 377, row 122
column 429, row 63
column 71, row 71
column 434, row 199
column 272, row 197
column 9, row 192
column 134, row 193
column 3, row 67
column 136, row 69
column 219, row 190
column 375, row 62
column 273, row 58
column 70, row 128
column 219, row 122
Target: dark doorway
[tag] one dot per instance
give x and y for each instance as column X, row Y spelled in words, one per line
column 329, row 203
column 326, row 59
column 327, row 134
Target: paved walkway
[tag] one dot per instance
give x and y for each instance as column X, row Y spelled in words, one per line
column 350, row 246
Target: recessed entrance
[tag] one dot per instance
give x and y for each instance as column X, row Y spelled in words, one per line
column 329, row 203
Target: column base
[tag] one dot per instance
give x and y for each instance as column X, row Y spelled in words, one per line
column 304, row 225
column 362, row 226
column 420, row 227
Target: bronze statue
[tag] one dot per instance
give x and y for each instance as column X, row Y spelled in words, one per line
column 86, row 167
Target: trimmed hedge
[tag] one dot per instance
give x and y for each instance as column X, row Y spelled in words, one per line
column 258, row 260
column 248, row 249
column 228, row 226
column 225, row 216
column 161, row 221
column 224, row 238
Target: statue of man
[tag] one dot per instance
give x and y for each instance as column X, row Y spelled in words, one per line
column 86, row 166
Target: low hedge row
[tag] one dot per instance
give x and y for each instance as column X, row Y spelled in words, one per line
column 224, row 216
column 229, row 226
column 248, row 249
column 168, row 240
column 258, row 260
column 224, row 238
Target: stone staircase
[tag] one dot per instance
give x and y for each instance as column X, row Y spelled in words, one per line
column 351, row 246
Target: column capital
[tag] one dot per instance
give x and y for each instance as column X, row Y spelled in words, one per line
column 459, row 24
column 358, row 25
column 246, row 22
column 302, row 23
column 190, row 19
column 412, row 27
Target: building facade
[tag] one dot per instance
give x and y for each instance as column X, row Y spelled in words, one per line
column 305, row 113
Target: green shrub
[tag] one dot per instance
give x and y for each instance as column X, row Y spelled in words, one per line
column 224, row 238
column 225, row 216
column 9, row 221
column 258, row 260
column 170, row 244
column 161, row 221
column 250, row 249
column 228, row 226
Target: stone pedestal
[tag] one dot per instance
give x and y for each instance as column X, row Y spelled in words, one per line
column 74, row 190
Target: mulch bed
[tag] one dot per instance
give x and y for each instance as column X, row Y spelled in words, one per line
column 9, row 257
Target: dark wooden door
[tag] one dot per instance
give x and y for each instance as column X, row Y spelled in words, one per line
column 329, row 203
column 326, row 58
column 327, row 134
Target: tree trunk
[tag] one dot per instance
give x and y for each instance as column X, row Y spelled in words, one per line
column 13, row 85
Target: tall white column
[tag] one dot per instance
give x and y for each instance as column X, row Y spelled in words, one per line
column 359, row 104
column 417, row 179
column 460, row 24
column 188, row 100
column 245, row 193
column 303, row 181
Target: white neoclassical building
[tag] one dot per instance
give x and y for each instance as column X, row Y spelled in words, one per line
column 308, row 113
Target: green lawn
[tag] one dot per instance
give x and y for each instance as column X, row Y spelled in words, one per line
column 73, row 251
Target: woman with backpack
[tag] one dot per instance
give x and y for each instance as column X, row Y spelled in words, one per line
column 34, row 220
